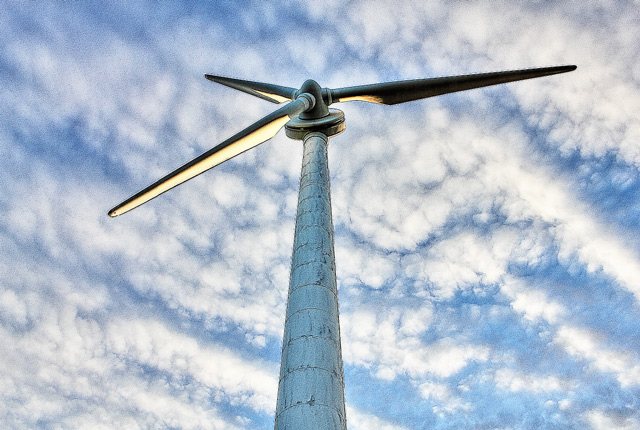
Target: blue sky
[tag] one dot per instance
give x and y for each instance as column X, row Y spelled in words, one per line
column 487, row 242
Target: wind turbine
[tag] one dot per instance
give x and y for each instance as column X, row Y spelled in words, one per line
column 311, row 384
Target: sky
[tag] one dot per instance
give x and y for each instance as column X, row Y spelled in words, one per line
column 487, row 242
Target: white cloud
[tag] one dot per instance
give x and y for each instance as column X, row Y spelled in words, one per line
column 462, row 261
column 533, row 304
column 441, row 394
column 358, row 420
column 578, row 233
column 388, row 342
column 588, row 345
column 361, row 265
column 12, row 308
column 601, row 420
column 151, row 344
column 511, row 380
column 68, row 370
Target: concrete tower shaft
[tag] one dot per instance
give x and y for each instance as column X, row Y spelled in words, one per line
column 311, row 386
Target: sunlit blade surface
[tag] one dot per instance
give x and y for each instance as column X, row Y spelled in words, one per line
column 391, row 93
column 270, row 92
column 248, row 138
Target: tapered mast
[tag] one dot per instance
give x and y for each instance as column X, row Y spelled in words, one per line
column 311, row 384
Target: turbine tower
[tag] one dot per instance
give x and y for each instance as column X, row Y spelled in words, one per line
column 311, row 384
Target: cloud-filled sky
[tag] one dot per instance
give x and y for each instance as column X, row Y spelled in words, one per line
column 487, row 244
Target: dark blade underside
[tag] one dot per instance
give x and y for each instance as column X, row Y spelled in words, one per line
column 391, row 93
column 269, row 92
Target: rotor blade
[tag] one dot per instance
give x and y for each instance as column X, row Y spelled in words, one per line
column 248, row 138
column 269, row 92
column 391, row 93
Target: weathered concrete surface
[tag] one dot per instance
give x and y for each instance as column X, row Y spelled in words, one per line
column 311, row 387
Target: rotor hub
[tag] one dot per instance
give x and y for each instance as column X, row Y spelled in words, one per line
column 321, row 108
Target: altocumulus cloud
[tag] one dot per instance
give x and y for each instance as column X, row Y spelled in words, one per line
column 488, row 259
